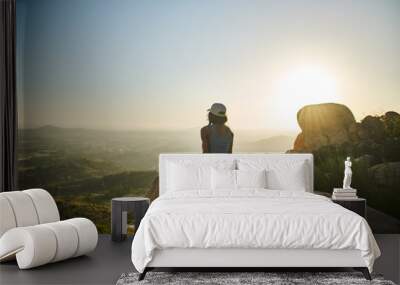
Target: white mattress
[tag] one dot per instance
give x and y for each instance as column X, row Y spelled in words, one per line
column 251, row 219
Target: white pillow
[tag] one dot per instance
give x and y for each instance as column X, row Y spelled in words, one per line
column 281, row 174
column 193, row 175
column 223, row 179
column 227, row 179
column 251, row 178
column 288, row 177
column 188, row 177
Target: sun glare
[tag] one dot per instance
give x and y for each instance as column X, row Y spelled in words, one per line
column 303, row 86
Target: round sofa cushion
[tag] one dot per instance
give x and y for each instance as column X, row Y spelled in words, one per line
column 46, row 207
column 23, row 208
column 33, row 246
column 26, row 208
column 87, row 235
column 7, row 220
column 40, row 244
column 67, row 240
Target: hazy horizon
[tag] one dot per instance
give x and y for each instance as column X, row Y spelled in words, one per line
column 187, row 134
column 99, row 64
column 196, row 128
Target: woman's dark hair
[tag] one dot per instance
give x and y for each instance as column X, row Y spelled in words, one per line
column 216, row 119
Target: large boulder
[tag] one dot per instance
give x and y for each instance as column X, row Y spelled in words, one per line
column 299, row 142
column 324, row 124
column 366, row 160
column 386, row 174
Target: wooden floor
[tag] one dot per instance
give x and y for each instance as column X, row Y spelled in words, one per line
column 110, row 260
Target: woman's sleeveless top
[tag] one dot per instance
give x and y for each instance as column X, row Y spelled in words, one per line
column 219, row 143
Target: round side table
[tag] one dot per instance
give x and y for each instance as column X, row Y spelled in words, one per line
column 120, row 207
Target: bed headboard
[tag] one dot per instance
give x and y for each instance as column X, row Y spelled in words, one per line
column 164, row 158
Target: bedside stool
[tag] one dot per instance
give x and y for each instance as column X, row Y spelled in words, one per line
column 357, row 205
column 119, row 214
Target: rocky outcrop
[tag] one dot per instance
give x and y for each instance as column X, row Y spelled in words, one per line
column 324, row 124
column 386, row 174
column 153, row 192
column 330, row 132
column 332, row 124
column 365, row 160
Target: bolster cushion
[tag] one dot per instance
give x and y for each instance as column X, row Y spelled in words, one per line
column 40, row 244
column 7, row 218
column 26, row 208
column 45, row 206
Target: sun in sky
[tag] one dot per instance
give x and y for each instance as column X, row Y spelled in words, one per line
column 304, row 85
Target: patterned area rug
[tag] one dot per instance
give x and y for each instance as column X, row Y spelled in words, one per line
column 269, row 278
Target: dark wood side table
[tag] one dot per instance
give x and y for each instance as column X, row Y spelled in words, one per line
column 119, row 214
column 357, row 205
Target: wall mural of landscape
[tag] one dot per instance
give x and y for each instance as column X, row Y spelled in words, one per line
column 85, row 168
column 105, row 87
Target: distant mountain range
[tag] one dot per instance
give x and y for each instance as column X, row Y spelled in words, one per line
column 271, row 144
column 160, row 140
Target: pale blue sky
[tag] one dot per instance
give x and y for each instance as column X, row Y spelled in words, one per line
column 159, row 64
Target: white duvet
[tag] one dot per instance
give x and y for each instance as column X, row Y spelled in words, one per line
column 250, row 219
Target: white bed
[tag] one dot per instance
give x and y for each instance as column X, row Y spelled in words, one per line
column 248, row 227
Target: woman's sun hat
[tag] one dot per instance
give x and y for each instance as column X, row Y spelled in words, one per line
column 218, row 110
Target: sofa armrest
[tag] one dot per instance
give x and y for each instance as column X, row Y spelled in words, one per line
column 40, row 244
column 32, row 246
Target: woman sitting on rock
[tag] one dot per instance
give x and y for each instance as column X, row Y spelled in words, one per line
column 216, row 137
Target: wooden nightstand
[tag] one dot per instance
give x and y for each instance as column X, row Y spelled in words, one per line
column 357, row 205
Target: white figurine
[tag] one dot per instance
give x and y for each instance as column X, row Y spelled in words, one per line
column 347, row 174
